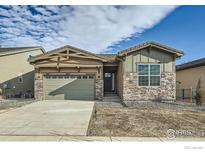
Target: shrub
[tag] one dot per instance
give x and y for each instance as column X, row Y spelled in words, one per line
column 199, row 93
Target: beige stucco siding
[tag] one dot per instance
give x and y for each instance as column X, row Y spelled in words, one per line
column 189, row 77
column 14, row 65
column 165, row 59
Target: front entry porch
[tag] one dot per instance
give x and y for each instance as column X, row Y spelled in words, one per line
column 110, row 80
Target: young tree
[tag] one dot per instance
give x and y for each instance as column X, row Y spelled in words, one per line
column 199, row 93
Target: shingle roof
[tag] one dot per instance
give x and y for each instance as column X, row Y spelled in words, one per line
column 109, row 56
column 155, row 44
column 191, row 64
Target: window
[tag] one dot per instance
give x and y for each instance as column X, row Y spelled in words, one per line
column 85, row 76
column 107, row 75
column 20, row 79
column 47, row 76
column 54, row 77
column 60, row 77
column 72, row 76
column 66, row 77
column 148, row 74
column 91, row 77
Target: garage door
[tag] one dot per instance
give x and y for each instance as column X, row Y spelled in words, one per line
column 74, row 87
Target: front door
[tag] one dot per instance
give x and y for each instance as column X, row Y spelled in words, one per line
column 109, row 82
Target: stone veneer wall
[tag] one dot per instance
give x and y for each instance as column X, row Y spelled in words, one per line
column 132, row 93
column 99, row 89
column 38, row 89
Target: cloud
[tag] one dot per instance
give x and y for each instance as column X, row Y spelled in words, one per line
column 94, row 28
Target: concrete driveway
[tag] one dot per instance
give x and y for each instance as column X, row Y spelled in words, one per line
column 48, row 118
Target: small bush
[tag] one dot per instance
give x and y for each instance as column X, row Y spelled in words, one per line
column 199, row 93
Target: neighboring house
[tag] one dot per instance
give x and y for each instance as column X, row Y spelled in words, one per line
column 189, row 73
column 143, row 73
column 16, row 74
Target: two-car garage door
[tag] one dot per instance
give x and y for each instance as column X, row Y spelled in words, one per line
column 69, row 87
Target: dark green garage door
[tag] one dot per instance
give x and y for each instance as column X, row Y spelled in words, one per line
column 58, row 87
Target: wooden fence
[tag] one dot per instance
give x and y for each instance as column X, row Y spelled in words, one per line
column 187, row 95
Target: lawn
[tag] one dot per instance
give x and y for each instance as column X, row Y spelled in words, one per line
column 122, row 121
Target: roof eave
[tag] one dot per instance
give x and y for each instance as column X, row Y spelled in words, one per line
column 33, row 59
column 125, row 53
column 23, row 51
column 189, row 65
column 179, row 55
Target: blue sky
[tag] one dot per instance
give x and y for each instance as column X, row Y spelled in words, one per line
column 105, row 29
column 183, row 29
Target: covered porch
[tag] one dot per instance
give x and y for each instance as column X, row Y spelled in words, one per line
column 111, row 82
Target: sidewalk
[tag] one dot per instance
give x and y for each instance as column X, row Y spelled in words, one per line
column 92, row 138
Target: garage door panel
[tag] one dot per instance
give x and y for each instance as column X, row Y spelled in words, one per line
column 79, row 89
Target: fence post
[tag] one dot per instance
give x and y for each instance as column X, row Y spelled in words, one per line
column 183, row 94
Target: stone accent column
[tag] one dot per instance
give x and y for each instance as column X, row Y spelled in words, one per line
column 168, row 83
column 38, row 87
column 99, row 89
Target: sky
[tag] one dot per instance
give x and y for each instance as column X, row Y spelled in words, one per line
column 105, row 29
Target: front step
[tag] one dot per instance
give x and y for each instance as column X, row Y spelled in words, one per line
column 111, row 98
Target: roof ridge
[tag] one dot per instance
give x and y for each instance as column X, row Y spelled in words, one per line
column 106, row 53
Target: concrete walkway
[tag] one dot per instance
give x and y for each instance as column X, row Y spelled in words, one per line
column 42, row 118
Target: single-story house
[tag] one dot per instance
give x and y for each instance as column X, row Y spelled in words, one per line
column 189, row 73
column 142, row 73
column 16, row 74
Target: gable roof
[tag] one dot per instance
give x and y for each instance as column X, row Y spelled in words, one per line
column 178, row 53
column 191, row 64
column 16, row 50
column 58, row 50
column 110, row 57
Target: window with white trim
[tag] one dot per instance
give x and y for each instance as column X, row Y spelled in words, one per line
column 148, row 74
